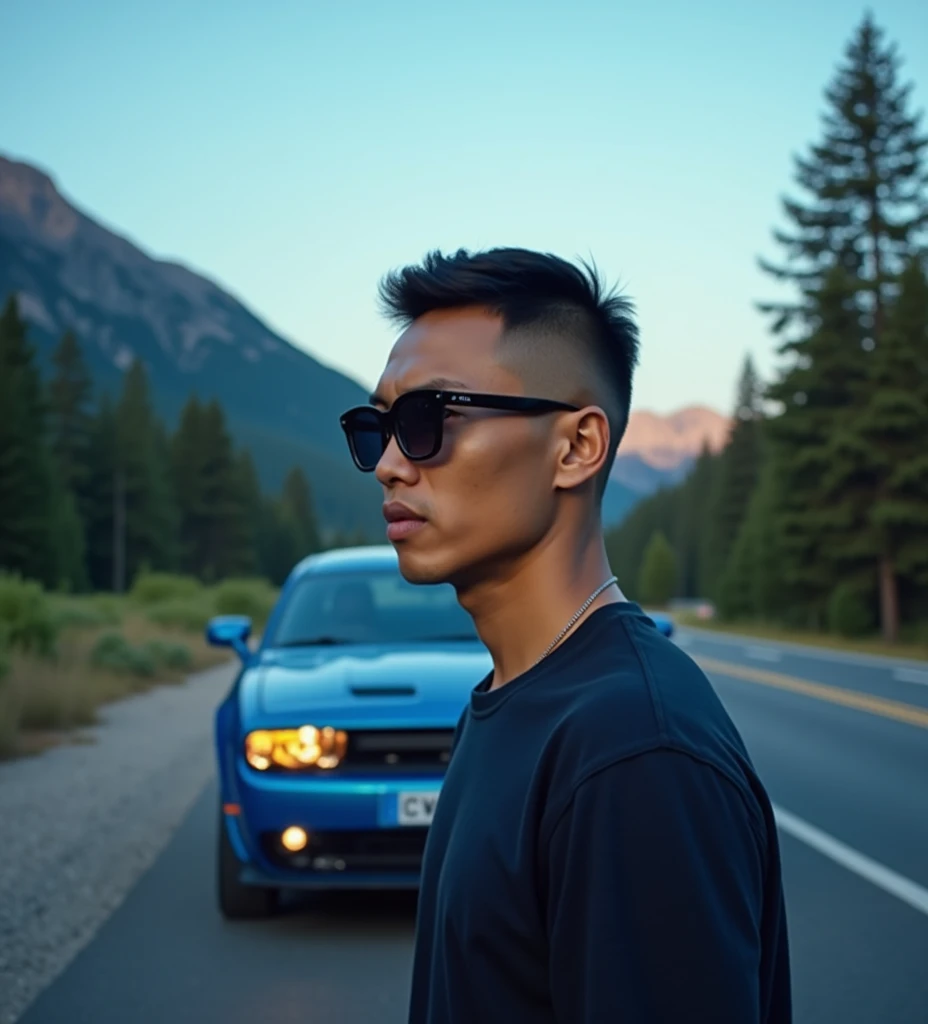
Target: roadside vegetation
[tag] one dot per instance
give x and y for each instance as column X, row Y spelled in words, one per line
column 63, row 656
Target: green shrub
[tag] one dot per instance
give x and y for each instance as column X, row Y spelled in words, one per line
column 83, row 613
column 190, row 615
column 114, row 653
column 169, row 655
column 850, row 613
column 160, row 587
column 252, row 597
column 110, row 607
column 26, row 615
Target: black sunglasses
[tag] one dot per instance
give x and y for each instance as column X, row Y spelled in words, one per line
column 416, row 419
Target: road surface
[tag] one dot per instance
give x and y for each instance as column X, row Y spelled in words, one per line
column 842, row 745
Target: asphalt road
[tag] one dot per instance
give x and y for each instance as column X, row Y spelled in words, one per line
column 842, row 745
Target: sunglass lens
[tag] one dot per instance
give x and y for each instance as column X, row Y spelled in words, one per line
column 366, row 438
column 418, row 424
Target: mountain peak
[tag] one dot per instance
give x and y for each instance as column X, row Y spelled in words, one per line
column 665, row 442
column 29, row 196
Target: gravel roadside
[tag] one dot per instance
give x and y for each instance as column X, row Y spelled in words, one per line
column 79, row 824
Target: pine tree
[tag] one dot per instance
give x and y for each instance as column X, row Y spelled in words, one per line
column 70, row 416
column 248, row 486
column 68, row 540
column 738, row 470
column 235, row 548
column 866, row 208
column 298, row 504
column 102, row 540
column 880, row 459
column 658, row 578
column 691, row 529
column 215, row 501
column 751, row 584
column 817, row 392
column 27, row 543
column 144, row 517
column 70, row 422
column 866, row 216
column 279, row 543
column 188, row 468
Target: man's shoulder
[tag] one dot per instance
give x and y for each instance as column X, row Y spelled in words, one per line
column 641, row 693
column 637, row 687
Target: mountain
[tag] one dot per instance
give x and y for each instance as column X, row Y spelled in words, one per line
column 657, row 451
column 192, row 336
column 664, row 442
column 618, row 501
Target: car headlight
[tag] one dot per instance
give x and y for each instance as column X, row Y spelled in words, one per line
column 305, row 747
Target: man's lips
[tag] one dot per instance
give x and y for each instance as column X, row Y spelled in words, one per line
column 397, row 512
column 401, row 520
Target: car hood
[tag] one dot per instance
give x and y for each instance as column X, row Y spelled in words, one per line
column 363, row 684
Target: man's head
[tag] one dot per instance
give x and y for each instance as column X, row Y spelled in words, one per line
column 507, row 322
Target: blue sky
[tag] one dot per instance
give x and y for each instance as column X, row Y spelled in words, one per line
column 295, row 151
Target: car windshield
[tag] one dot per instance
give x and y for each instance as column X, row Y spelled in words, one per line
column 369, row 608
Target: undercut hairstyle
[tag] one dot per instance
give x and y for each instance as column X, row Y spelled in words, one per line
column 559, row 321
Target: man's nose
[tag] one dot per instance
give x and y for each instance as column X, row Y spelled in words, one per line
column 394, row 467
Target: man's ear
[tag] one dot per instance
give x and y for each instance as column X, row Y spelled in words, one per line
column 583, row 447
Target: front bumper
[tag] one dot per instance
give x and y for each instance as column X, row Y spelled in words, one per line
column 364, row 832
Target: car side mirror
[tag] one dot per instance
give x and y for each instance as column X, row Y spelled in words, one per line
column 230, row 631
column 664, row 624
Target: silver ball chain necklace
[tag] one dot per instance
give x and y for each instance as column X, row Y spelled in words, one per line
column 586, row 604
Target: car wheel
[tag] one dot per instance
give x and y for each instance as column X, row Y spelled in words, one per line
column 236, row 900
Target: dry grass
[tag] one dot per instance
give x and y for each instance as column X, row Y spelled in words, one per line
column 764, row 631
column 43, row 699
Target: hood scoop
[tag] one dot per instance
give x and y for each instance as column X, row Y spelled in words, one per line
column 383, row 690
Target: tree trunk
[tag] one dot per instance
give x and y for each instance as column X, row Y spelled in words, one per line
column 889, row 600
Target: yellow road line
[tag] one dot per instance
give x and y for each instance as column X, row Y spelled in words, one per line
column 834, row 694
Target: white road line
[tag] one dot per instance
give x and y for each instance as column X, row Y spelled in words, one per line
column 808, row 650
column 762, row 653
column 911, row 675
column 881, row 876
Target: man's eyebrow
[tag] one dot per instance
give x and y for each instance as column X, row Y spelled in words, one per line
column 434, row 384
column 444, row 384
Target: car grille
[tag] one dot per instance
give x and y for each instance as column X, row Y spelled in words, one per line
column 387, row 849
column 399, row 749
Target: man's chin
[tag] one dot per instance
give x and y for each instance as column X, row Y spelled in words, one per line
column 419, row 567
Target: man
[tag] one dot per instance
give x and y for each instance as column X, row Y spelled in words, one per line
column 602, row 849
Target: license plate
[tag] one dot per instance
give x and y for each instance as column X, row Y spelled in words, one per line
column 416, row 808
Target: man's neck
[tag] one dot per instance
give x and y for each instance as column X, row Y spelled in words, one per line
column 519, row 613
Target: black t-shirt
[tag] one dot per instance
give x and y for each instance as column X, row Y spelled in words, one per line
column 602, row 850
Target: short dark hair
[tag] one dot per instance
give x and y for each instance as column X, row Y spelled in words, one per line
column 530, row 291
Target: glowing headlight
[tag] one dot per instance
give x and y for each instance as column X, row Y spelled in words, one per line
column 306, row 747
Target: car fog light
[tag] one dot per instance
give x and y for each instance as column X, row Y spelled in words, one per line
column 294, row 839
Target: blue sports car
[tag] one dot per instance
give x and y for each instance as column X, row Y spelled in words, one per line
column 335, row 735
column 334, row 738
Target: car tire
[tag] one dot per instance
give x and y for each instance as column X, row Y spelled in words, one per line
column 236, row 900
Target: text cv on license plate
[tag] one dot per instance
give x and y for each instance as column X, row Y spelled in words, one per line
column 416, row 808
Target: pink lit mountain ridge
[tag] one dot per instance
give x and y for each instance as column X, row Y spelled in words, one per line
column 658, row 451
